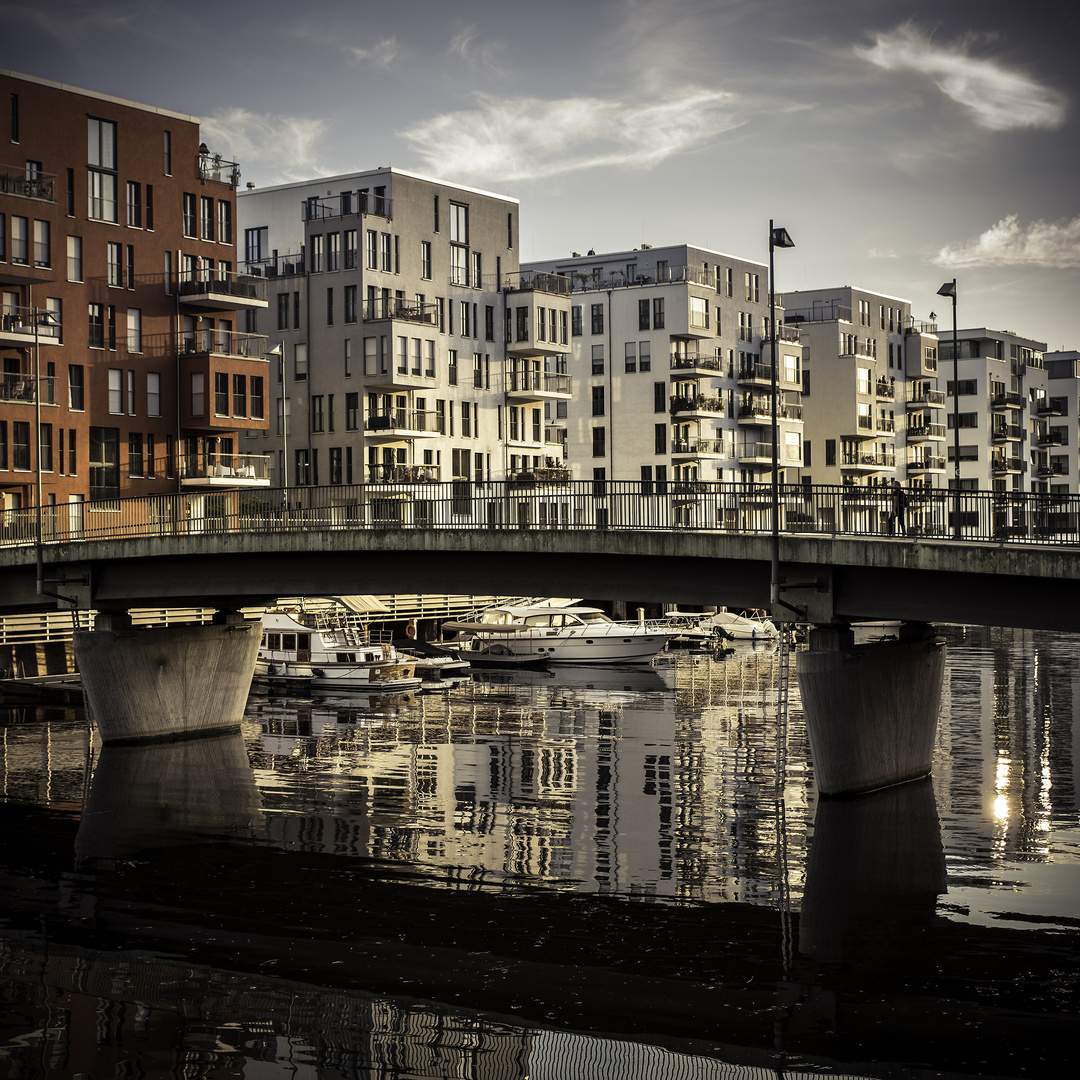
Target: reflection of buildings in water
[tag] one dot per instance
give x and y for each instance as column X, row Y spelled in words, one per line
column 656, row 791
column 1006, row 757
column 43, row 756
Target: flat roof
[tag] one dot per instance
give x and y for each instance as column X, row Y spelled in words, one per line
column 652, row 249
column 852, row 288
column 375, row 172
column 97, row 96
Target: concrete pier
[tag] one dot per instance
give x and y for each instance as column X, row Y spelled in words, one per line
column 166, row 682
column 871, row 710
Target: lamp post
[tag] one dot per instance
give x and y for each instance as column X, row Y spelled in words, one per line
column 778, row 238
column 279, row 352
column 949, row 289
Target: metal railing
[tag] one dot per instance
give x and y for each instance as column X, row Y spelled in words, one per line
column 697, row 403
column 586, row 280
column 390, row 307
column 351, row 202
column 215, row 168
column 706, row 362
column 405, row 420
column 537, row 280
column 926, row 431
column 546, row 382
column 24, row 388
column 16, row 180
column 403, row 474
column 828, row 312
column 919, row 396
column 233, row 467
column 719, row 507
column 238, row 286
column 194, row 342
column 695, row 447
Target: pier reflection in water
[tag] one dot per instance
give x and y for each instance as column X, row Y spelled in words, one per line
column 584, row 873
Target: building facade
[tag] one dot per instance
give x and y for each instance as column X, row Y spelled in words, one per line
column 412, row 347
column 672, row 365
column 124, row 370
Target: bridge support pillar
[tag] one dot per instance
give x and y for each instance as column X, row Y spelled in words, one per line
column 871, row 710
column 170, row 682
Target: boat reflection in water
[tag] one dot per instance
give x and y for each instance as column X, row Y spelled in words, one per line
column 522, row 876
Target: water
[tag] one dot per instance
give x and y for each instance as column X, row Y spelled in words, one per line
column 577, row 874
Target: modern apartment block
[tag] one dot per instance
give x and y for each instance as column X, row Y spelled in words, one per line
column 1004, row 410
column 872, row 407
column 672, row 364
column 412, row 347
column 124, row 372
column 1056, row 433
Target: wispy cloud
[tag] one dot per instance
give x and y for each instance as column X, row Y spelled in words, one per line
column 528, row 138
column 382, row 53
column 1006, row 243
column 477, row 53
column 284, row 144
column 999, row 97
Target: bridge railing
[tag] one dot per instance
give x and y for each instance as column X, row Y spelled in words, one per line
column 546, row 500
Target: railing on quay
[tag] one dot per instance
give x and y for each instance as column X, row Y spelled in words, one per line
column 547, row 499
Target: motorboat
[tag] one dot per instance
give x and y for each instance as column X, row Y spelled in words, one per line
column 753, row 625
column 326, row 656
column 516, row 634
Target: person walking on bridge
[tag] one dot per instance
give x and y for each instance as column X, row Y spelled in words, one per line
column 899, row 508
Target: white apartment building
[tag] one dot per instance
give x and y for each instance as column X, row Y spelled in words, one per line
column 412, row 348
column 1056, row 432
column 1003, row 398
column 872, row 408
column 671, row 361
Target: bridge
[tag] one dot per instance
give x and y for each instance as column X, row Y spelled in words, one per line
column 997, row 558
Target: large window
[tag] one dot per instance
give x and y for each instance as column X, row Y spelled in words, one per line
column 206, row 217
column 224, row 221
column 257, row 397
column 425, row 259
column 459, row 223
column 597, row 318
column 114, row 255
column 189, row 214
column 101, row 169
column 42, row 245
column 699, row 312
column 256, row 244
column 153, row 393
column 104, row 463
column 116, row 391
column 75, row 387
column 96, row 331
column 134, row 204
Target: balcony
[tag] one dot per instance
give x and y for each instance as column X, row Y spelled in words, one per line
column 697, row 407
column 1006, row 433
column 533, row 281
column 16, row 327
column 22, row 389
column 825, row 312
column 924, row 432
column 545, row 474
column 884, row 424
column 226, row 292
column 706, row 365
column 224, row 471
column 922, row 397
column 650, row 275
column 759, row 453
column 215, row 169
column 756, row 408
column 927, row 463
column 404, row 376
column 1053, row 467
column 1049, row 437
column 1004, row 399
column 538, row 386
column 694, row 449
column 206, row 342
column 1051, row 407
column 349, row 202
column 400, row 310
column 868, row 459
column 755, row 374
column 537, row 323
column 555, row 436
column 403, row 474
column 1003, row 463
column 393, row 425
column 18, row 181
column 885, row 390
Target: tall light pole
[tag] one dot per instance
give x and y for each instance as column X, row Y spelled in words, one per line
column 778, row 238
column 279, row 352
column 949, row 289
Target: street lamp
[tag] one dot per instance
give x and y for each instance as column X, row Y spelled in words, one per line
column 279, row 352
column 778, row 238
column 949, row 289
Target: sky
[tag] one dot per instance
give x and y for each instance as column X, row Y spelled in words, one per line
column 900, row 144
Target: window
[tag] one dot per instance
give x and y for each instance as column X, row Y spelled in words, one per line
column 317, row 413
column 131, row 266
column 371, row 239
column 598, row 401
column 385, row 254
column 153, row 393
column 20, row 240
column 45, row 448
column 477, row 275
column 699, row 312
column 168, row 153
column 631, row 356
column 14, row 117
column 283, row 311
column 112, row 262
column 521, row 323
column 658, row 313
column 751, row 281
column 350, row 249
column 256, row 244
column 660, row 439
column 74, row 258
column 644, row 356
column 599, row 442
column 206, row 206
column 352, row 408
column 563, row 336
column 75, row 387
column 134, row 204
column 189, row 214
column 257, row 412
column 333, row 251
column 150, row 207
column 42, row 247
column 335, row 464
column 134, row 330
column 660, row 397
column 459, row 270
column 452, row 369
column 300, row 362
column 135, row 455
column 329, row 307
column 830, row 453
column 729, row 281
column 459, row 223
column 350, row 303
column 509, row 230
column 224, row 210
column 315, row 255
column 643, row 314
column 597, row 318
column 116, row 391
column 20, row 445
column 239, row 395
column 598, row 359
column 101, row 169
column 489, row 323
column 575, row 320
column 425, row 259
column 96, row 334
column 221, row 393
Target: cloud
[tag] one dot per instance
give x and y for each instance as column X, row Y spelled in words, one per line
column 466, row 45
column 1042, row 243
column 999, row 97
column 286, row 144
column 382, row 54
column 528, row 138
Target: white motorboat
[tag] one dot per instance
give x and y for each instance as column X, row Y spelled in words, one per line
column 538, row 633
column 329, row 657
column 753, row 625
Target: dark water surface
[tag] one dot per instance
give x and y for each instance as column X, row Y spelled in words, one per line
column 554, row 876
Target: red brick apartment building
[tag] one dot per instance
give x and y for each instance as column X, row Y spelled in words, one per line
column 129, row 367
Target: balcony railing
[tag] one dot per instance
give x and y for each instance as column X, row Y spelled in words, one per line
column 884, row 423
column 238, row 286
column 278, row 266
column 217, row 170
column 831, row 312
column 349, row 202
column 789, row 334
column 403, row 474
column 24, row 388
column 711, row 447
column 698, row 403
column 649, row 275
column 919, row 396
column 196, row 342
column 16, row 180
column 535, row 280
column 703, row 361
column 1006, row 399
column 926, row 463
column 1000, row 463
column 755, row 373
column 860, row 459
column 885, row 389
column 389, row 307
column 926, row 431
column 392, row 420
column 1006, row 432
column 546, row 382
column 555, row 436
column 1050, row 438
column 920, row 326
column 223, row 468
